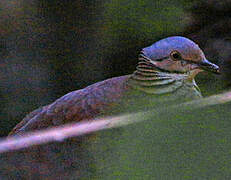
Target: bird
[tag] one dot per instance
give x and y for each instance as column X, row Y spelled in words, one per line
column 164, row 75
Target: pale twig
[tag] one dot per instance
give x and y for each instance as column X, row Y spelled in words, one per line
column 81, row 128
column 62, row 132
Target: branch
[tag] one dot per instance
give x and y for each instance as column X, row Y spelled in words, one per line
column 61, row 133
column 85, row 127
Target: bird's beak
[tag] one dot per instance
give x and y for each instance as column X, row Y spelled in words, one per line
column 208, row 66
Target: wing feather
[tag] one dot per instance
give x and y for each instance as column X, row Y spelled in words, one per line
column 83, row 104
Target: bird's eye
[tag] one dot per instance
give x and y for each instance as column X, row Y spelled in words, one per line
column 175, row 55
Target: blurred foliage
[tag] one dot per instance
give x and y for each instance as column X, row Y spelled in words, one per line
column 187, row 141
column 195, row 145
column 143, row 21
column 49, row 48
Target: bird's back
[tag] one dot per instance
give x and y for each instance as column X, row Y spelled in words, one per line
column 90, row 102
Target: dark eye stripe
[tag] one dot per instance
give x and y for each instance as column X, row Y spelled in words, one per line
column 161, row 59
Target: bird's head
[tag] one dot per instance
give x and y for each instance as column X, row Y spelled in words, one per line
column 178, row 55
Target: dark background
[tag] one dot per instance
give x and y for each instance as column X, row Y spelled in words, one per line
column 49, row 48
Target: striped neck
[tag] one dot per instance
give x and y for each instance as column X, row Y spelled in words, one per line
column 153, row 80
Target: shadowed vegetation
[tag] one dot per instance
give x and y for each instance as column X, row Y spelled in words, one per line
column 49, row 48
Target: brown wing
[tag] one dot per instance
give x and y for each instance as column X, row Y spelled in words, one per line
column 26, row 119
column 86, row 103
